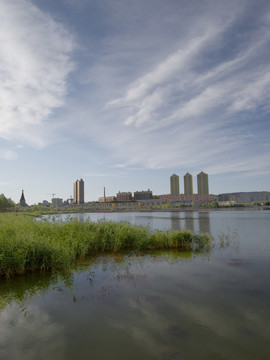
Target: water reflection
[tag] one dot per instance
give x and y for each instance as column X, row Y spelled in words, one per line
column 192, row 220
column 204, row 222
column 22, row 289
column 155, row 306
column 175, row 221
column 196, row 221
column 189, row 221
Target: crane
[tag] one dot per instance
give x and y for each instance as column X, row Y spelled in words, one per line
column 52, row 194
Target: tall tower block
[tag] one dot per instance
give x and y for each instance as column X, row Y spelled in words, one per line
column 202, row 182
column 78, row 192
column 188, row 184
column 174, row 182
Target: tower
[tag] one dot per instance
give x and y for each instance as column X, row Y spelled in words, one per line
column 188, row 184
column 174, row 182
column 22, row 200
column 78, row 192
column 202, row 183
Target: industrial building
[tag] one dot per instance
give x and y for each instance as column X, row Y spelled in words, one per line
column 143, row 195
column 124, row 196
column 245, row 197
column 107, row 199
column 57, row 201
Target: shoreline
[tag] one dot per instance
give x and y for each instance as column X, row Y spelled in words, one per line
column 132, row 211
column 73, row 210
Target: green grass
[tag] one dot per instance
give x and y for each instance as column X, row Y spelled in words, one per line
column 30, row 245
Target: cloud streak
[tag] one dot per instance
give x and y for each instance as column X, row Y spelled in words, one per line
column 8, row 154
column 178, row 85
column 196, row 106
column 34, row 66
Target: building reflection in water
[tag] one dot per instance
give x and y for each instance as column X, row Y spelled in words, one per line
column 194, row 221
column 189, row 221
column 204, row 222
column 175, row 218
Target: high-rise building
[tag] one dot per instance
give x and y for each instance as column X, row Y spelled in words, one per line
column 202, row 183
column 78, row 192
column 174, row 182
column 188, row 184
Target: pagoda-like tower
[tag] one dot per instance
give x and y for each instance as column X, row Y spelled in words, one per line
column 22, row 200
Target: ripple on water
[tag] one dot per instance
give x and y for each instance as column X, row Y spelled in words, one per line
column 255, row 293
column 175, row 332
column 239, row 262
column 131, row 279
column 170, row 355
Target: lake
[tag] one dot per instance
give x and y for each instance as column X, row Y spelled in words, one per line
column 163, row 305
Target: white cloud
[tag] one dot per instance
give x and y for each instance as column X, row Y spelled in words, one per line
column 34, row 65
column 195, row 107
column 8, row 154
column 37, row 325
column 108, row 175
column 179, row 91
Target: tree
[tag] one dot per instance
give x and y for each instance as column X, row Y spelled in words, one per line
column 6, row 203
column 214, row 204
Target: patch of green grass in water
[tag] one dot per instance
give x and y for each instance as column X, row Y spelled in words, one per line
column 28, row 245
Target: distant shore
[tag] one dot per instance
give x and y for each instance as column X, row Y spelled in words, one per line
column 74, row 210
column 190, row 209
column 178, row 210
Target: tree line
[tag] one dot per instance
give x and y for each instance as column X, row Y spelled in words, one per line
column 6, row 203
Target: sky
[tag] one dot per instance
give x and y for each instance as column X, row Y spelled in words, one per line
column 124, row 93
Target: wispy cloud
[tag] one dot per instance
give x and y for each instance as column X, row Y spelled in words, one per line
column 34, row 65
column 195, row 106
column 107, row 175
column 186, row 90
column 8, row 154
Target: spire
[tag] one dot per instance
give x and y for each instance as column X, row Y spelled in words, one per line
column 22, row 197
column 22, row 200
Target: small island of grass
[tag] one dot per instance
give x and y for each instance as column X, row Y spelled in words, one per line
column 30, row 245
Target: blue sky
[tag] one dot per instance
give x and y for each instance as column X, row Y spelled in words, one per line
column 124, row 93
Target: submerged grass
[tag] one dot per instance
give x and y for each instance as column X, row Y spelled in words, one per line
column 30, row 245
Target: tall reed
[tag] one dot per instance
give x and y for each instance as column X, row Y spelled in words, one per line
column 30, row 245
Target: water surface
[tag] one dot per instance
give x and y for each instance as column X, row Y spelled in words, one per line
column 163, row 305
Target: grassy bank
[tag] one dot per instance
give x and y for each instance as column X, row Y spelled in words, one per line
column 30, row 245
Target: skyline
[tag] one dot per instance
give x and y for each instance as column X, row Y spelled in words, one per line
column 202, row 190
column 125, row 93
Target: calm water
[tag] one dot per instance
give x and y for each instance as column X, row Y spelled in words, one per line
column 170, row 305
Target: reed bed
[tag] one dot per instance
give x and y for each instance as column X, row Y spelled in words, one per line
column 30, row 245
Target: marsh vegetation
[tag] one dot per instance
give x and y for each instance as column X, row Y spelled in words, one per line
column 30, row 245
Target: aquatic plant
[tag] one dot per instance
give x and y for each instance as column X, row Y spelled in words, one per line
column 30, row 245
